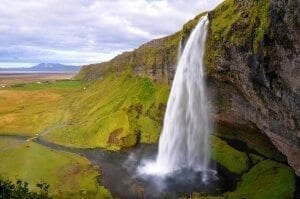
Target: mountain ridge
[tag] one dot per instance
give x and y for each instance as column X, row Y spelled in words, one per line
column 46, row 67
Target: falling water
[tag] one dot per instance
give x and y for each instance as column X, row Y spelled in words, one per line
column 184, row 142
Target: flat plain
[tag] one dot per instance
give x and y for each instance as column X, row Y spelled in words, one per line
column 7, row 79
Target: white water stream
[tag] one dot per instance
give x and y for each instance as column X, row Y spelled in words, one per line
column 184, row 142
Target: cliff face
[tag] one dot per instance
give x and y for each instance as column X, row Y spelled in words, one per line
column 252, row 60
column 156, row 59
column 253, row 66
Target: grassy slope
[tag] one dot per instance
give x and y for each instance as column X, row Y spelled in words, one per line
column 66, row 173
column 114, row 112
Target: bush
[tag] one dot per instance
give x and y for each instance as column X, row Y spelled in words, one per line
column 19, row 190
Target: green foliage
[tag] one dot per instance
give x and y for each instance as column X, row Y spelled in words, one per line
column 10, row 190
column 268, row 179
column 230, row 158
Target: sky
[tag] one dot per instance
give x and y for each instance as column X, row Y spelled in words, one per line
column 86, row 31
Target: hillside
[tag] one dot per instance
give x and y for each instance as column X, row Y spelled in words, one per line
column 251, row 71
column 98, row 134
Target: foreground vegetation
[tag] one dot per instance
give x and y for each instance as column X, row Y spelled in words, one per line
column 68, row 175
column 8, row 189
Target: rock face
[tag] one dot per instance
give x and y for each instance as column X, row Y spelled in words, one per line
column 252, row 60
column 258, row 83
column 156, row 59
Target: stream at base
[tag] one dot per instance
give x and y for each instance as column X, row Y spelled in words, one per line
column 119, row 174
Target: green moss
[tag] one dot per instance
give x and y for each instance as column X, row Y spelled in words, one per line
column 67, row 174
column 254, row 139
column 260, row 19
column 269, row 180
column 256, row 158
column 238, row 24
column 230, row 158
column 189, row 27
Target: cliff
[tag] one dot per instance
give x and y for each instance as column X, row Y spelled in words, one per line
column 252, row 60
column 253, row 65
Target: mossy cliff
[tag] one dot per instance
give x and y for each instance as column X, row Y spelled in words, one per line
column 252, row 58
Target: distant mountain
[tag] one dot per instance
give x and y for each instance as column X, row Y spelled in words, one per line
column 46, row 67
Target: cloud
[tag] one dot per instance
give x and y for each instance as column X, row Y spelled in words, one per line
column 87, row 31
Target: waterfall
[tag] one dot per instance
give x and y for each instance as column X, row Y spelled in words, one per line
column 184, row 142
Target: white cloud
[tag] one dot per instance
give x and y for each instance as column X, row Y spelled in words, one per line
column 84, row 31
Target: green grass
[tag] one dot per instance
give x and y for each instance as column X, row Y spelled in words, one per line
column 230, row 158
column 268, row 180
column 30, row 109
column 113, row 113
column 66, row 173
column 52, row 85
column 28, row 112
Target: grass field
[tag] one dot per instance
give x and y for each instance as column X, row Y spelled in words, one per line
column 29, row 109
column 12, row 79
column 68, row 175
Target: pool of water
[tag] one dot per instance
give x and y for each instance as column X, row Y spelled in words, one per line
column 119, row 174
